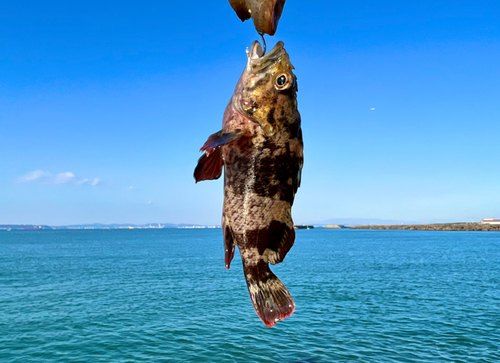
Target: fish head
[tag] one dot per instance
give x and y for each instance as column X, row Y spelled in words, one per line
column 267, row 85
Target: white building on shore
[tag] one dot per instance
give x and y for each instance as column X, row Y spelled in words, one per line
column 490, row 221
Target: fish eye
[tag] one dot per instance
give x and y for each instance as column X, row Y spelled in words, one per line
column 283, row 81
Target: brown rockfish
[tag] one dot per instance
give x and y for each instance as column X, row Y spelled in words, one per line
column 260, row 147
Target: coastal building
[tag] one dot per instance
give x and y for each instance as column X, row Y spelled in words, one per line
column 490, row 221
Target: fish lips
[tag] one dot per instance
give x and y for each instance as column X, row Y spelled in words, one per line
column 258, row 61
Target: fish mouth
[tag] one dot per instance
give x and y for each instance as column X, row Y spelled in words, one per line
column 258, row 61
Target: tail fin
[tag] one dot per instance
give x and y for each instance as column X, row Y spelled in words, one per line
column 270, row 298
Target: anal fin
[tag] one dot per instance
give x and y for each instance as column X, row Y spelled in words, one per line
column 279, row 250
column 279, row 237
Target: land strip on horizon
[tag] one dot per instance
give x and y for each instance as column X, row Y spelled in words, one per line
column 436, row 227
column 466, row 226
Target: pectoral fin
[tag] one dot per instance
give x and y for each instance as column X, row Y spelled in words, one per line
column 220, row 138
column 210, row 164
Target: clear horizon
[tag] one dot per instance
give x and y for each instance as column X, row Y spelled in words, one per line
column 340, row 221
column 104, row 106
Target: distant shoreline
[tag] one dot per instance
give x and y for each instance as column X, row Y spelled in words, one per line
column 474, row 227
column 479, row 227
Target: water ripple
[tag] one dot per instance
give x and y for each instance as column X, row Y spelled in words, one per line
column 165, row 296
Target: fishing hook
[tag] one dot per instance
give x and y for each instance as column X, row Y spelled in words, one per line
column 263, row 41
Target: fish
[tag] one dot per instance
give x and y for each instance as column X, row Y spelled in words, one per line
column 265, row 13
column 260, row 148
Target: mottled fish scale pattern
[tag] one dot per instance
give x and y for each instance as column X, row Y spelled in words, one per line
column 261, row 149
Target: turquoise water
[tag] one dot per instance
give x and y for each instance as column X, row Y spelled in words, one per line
column 165, row 296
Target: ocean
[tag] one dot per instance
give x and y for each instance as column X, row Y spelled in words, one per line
column 165, row 296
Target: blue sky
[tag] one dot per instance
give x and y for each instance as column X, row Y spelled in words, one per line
column 104, row 106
